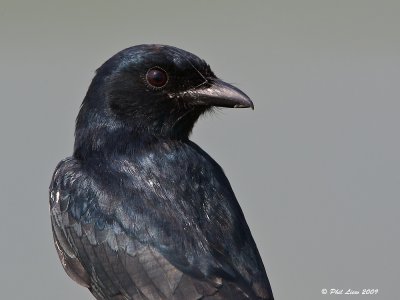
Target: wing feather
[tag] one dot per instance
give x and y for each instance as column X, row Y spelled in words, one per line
column 138, row 244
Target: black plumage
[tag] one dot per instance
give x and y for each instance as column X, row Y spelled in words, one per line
column 139, row 211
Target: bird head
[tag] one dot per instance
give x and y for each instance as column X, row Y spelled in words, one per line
column 154, row 90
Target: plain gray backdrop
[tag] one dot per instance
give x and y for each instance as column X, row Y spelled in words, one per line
column 315, row 166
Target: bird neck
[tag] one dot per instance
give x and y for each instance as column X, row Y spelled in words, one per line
column 100, row 134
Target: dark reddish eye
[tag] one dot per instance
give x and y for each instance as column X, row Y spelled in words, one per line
column 157, row 77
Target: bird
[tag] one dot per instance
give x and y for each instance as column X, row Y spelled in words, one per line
column 139, row 211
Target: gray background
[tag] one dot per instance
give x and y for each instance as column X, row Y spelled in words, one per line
column 315, row 167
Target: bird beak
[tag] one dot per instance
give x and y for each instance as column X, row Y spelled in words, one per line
column 217, row 93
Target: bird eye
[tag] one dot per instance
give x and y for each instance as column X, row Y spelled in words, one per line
column 157, row 77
